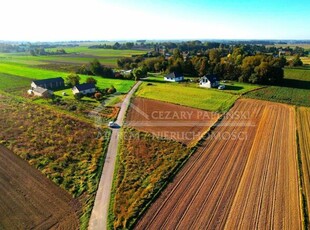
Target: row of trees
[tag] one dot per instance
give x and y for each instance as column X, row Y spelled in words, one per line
column 73, row 79
column 116, row 46
column 97, row 69
column 42, row 51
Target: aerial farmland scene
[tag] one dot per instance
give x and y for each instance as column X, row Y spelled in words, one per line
column 154, row 115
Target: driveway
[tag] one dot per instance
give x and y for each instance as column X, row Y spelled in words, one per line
column 99, row 216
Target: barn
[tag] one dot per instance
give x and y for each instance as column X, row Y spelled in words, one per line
column 50, row 83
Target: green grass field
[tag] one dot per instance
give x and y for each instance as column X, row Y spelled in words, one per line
column 10, row 83
column 233, row 87
column 122, row 86
column 75, row 55
column 207, row 99
column 101, row 52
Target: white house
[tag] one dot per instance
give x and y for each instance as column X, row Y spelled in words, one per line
column 85, row 88
column 209, row 81
column 174, row 77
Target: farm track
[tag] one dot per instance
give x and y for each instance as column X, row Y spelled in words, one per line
column 237, row 183
column 31, row 201
column 303, row 125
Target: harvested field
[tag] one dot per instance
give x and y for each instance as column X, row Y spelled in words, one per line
column 214, row 189
column 268, row 195
column 303, row 125
column 31, row 201
column 171, row 121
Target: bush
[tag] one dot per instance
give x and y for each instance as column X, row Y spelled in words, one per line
column 78, row 96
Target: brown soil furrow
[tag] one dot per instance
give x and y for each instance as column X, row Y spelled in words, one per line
column 168, row 197
column 203, row 184
column 237, row 184
column 185, row 197
column 29, row 200
column 173, row 219
column 277, row 200
column 226, row 194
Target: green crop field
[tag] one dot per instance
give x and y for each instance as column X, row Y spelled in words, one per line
column 207, row 99
column 295, row 89
column 287, row 95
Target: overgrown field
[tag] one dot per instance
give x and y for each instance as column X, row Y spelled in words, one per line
column 199, row 98
column 144, row 165
column 295, row 90
column 179, row 123
column 243, row 176
column 66, row 150
column 303, row 125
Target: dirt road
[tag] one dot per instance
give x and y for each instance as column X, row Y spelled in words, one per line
column 99, row 216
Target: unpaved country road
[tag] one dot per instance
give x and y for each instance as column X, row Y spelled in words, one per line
column 99, row 216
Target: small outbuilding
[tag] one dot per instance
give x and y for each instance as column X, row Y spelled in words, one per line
column 209, row 81
column 84, row 89
column 41, row 92
column 174, row 77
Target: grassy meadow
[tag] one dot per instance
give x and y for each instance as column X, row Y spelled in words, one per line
column 207, row 99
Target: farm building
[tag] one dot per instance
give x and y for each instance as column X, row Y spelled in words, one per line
column 51, row 83
column 41, row 92
column 174, row 77
column 84, row 88
column 209, row 81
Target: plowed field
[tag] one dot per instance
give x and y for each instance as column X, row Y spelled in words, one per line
column 29, row 200
column 244, row 176
column 171, row 121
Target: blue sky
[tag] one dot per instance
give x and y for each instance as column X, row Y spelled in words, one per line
column 54, row 20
